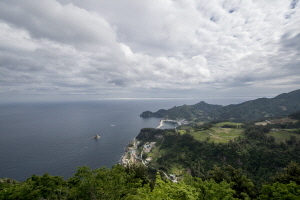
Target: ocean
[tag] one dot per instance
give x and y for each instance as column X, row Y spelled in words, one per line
column 56, row 138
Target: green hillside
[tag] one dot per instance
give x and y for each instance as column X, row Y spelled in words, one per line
column 282, row 104
column 188, row 112
column 134, row 183
column 218, row 133
column 261, row 108
column 225, row 151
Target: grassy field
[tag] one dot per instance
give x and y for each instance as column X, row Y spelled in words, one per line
column 284, row 134
column 181, row 132
column 227, row 123
column 217, row 134
column 274, row 121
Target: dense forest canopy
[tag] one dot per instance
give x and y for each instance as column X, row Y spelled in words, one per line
column 133, row 182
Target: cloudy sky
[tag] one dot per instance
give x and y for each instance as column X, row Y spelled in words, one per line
column 88, row 50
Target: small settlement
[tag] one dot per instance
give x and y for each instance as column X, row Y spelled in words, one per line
column 134, row 156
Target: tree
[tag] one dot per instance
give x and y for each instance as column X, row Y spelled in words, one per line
column 278, row 190
column 166, row 190
column 210, row 189
column 38, row 187
column 290, row 173
column 104, row 183
column 240, row 183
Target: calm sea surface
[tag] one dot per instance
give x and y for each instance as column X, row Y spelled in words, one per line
column 36, row 138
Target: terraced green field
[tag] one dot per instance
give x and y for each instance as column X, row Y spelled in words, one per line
column 217, row 134
column 227, row 123
column 283, row 134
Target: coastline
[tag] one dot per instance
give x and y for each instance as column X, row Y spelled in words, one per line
column 132, row 156
column 176, row 122
column 130, row 149
column 161, row 122
column 129, row 156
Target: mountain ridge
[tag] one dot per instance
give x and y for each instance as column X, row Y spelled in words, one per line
column 282, row 104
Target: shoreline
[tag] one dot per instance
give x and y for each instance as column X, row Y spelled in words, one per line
column 132, row 156
column 132, row 150
column 161, row 122
column 129, row 151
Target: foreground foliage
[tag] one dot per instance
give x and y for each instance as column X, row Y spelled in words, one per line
column 133, row 183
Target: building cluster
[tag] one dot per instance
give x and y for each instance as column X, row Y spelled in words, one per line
column 182, row 122
column 148, row 146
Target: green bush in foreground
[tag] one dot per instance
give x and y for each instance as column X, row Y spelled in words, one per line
column 133, row 183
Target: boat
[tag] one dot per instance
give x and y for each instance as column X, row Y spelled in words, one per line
column 96, row 137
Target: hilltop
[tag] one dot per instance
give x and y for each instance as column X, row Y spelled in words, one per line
column 261, row 108
column 188, row 112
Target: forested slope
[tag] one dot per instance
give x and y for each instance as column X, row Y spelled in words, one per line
column 250, row 161
column 261, row 108
column 189, row 112
column 133, row 183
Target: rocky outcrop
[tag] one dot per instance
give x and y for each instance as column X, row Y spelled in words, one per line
column 147, row 134
column 8, row 180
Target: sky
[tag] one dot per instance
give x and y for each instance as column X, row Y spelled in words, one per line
column 63, row 50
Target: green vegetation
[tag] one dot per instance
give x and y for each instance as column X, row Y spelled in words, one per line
column 188, row 112
column 252, row 153
column 217, row 134
column 295, row 115
column 133, row 182
column 100, row 183
column 228, row 124
column 263, row 108
column 283, row 135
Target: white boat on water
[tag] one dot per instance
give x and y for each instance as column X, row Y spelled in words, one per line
column 96, row 137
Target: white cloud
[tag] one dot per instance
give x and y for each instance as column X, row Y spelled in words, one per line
column 124, row 47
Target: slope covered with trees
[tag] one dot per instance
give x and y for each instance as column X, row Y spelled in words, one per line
column 133, row 183
column 189, row 112
column 251, row 159
column 261, row 108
